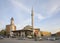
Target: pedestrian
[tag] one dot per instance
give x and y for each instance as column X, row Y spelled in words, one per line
column 35, row 37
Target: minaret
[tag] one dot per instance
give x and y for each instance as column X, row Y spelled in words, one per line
column 32, row 19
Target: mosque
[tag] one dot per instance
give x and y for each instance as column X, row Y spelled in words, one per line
column 26, row 31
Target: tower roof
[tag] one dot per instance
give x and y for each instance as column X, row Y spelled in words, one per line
column 12, row 18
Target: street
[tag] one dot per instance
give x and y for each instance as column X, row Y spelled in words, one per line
column 15, row 40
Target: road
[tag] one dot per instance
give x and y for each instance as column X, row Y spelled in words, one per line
column 14, row 40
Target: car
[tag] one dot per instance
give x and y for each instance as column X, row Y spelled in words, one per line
column 21, row 38
column 11, row 36
column 29, row 37
column 1, row 37
column 51, row 38
column 40, row 38
column 57, row 38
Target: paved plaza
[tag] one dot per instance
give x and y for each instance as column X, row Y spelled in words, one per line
column 15, row 40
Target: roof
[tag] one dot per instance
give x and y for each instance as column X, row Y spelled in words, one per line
column 12, row 18
column 28, row 27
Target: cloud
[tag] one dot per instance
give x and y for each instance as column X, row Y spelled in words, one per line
column 23, row 24
column 48, row 9
column 20, row 5
column 40, row 17
column 53, row 8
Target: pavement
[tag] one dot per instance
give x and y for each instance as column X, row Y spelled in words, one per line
column 15, row 40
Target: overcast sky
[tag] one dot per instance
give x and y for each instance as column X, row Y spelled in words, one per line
column 46, row 14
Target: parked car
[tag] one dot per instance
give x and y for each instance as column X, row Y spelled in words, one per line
column 1, row 37
column 29, row 37
column 21, row 38
column 13, row 36
column 51, row 38
column 57, row 38
column 40, row 38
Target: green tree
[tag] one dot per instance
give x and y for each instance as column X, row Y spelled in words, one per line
column 3, row 32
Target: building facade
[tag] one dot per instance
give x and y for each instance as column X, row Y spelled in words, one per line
column 45, row 33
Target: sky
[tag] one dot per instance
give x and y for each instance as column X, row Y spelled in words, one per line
column 46, row 14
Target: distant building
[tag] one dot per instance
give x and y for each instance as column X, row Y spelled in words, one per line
column 58, row 34
column 10, row 27
column 45, row 33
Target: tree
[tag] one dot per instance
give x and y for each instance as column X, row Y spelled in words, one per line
column 3, row 32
